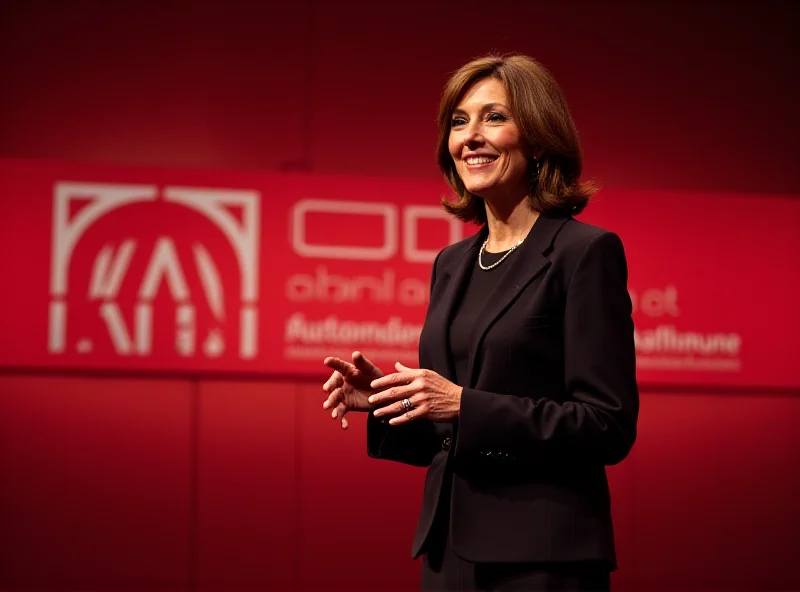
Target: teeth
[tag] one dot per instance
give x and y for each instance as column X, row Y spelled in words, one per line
column 479, row 160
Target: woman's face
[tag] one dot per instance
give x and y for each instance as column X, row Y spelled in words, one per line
column 486, row 144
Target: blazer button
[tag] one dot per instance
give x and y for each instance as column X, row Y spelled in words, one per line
column 446, row 444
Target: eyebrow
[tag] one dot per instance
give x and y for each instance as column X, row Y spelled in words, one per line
column 486, row 107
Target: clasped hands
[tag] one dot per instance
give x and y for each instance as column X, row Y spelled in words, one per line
column 360, row 386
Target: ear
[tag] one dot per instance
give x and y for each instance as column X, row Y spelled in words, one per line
column 533, row 152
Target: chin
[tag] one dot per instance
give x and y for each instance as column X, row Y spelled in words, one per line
column 476, row 188
column 481, row 190
column 496, row 190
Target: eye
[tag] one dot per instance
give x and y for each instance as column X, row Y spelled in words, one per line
column 457, row 121
column 495, row 117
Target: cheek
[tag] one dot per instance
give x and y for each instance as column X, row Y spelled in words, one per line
column 508, row 140
column 514, row 154
column 455, row 147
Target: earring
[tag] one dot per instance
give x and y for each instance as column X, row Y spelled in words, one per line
column 538, row 170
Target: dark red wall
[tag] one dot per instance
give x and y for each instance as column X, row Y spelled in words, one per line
column 172, row 483
column 697, row 95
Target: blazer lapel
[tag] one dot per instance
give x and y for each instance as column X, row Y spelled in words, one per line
column 523, row 266
column 449, row 287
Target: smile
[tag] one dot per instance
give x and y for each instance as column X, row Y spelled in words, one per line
column 479, row 160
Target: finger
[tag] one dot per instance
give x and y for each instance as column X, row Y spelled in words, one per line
column 402, row 368
column 345, row 368
column 396, row 393
column 335, row 381
column 340, row 412
column 398, row 378
column 394, row 408
column 333, row 399
column 364, row 365
column 408, row 416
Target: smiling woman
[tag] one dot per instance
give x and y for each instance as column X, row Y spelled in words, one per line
column 512, row 110
column 526, row 388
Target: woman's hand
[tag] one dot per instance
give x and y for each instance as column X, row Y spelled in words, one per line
column 348, row 387
column 429, row 395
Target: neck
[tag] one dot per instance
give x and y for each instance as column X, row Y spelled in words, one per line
column 508, row 223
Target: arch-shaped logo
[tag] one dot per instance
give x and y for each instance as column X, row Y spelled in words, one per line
column 111, row 265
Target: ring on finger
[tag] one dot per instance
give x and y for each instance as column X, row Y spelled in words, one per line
column 406, row 405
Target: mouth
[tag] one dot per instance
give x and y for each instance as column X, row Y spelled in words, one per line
column 479, row 161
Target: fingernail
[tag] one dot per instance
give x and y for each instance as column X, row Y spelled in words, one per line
column 371, row 399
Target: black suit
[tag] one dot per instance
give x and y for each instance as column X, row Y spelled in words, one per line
column 551, row 400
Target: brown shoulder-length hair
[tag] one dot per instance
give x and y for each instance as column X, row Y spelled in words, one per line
column 542, row 116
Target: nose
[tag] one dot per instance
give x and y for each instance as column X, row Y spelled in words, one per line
column 473, row 137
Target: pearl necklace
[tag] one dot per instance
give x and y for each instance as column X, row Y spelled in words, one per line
column 498, row 262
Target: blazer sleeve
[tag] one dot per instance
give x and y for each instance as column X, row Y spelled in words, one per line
column 413, row 443
column 597, row 421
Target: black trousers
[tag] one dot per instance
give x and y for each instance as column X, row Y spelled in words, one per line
column 444, row 571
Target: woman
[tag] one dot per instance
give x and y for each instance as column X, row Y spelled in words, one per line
column 526, row 389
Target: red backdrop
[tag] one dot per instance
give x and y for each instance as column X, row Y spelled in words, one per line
column 201, row 475
column 122, row 268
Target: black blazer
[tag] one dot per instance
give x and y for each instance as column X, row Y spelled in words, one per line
column 551, row 400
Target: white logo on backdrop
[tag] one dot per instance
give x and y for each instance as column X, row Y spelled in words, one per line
column 397, row 231
column 389, row 221
column 111, row 264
